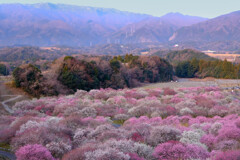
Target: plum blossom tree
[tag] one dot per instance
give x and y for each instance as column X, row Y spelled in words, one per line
column 176, row 150
column 233, row 155
column 33, row 152
column 58, row 149
column 105, row 154
column 163, row 134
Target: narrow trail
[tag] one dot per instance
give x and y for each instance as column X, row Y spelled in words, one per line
column 9, row 96
column 4, row 103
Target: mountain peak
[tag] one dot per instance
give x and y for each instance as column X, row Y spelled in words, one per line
column 181, row 20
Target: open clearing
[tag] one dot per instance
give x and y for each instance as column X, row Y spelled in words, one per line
column 228, row 57
column 207, row 82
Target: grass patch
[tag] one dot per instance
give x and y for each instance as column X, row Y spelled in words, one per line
column 5, row 146
column 119, row 122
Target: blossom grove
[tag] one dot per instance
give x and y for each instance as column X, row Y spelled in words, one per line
column 127, row 124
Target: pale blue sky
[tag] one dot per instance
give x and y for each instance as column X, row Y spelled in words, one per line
column 204, row 8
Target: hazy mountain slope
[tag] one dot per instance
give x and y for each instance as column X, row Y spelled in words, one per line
column 149, row 30
column 223, row 28
column 154, row 29
column 49, row 24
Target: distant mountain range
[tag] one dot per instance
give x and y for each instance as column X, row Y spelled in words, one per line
column 49, row 24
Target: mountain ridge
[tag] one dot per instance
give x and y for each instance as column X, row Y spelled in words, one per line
column 47, row 24
column 220, row 28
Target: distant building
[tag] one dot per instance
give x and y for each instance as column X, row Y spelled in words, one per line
column 209, row 52
column 176, row 45
column 144, row 53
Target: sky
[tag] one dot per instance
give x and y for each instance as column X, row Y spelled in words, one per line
column 202, row 8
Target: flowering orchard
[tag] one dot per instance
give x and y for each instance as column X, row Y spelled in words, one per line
column 127, row 124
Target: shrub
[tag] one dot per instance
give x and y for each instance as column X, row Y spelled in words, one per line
column 168, row 91
column 228, row 155
column 134, row 156
column 106, row 154
column 215, row 128
column 29, row 78
column 143, row 150
column 175, row 150
column 125, row 146
column 227, row 145
column 88, row 112
column 208, row 140
column 228, row 133
column 99, row 130
column 79, row 153
column 58, row 149
column 29, row 125
column 4, row 70
column 33, row 152
column 80, row 136
column 163, row 134
column 192, row 137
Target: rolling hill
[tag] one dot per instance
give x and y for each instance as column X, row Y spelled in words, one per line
column 174, row 57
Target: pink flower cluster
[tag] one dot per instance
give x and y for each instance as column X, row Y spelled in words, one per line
column 208, row 101
column 137, row 124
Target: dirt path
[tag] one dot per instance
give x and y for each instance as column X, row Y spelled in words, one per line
column 4, row 103
column 8, row 97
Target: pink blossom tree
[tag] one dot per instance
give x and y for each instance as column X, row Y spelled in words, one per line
column 33, row 152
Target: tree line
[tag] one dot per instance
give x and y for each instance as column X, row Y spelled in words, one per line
column 93, row 73
column 203, row 68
